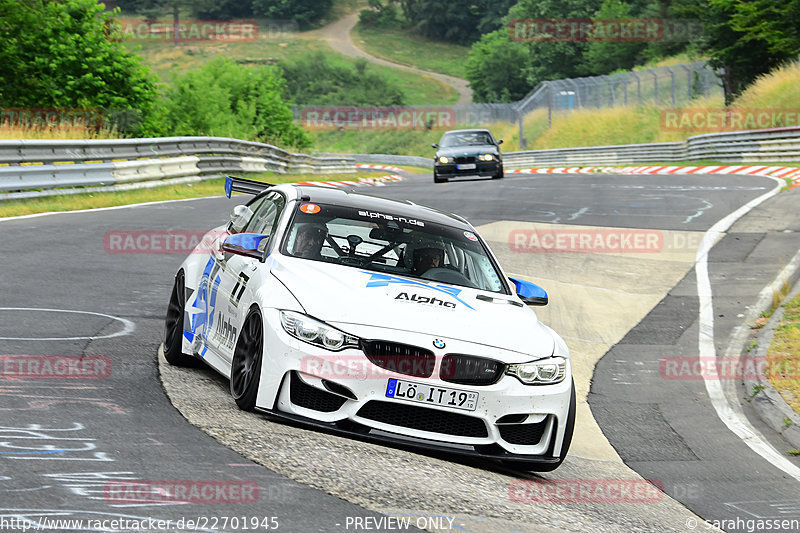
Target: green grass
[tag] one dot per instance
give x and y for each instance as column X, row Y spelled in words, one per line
column 213, row 187
column 405, row 48
column 168, row 61
column 784, row 355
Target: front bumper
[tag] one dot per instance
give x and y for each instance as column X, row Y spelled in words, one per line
column 451, row 170
column 343, row 392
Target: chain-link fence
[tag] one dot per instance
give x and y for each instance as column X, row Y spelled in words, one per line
column 667, row 86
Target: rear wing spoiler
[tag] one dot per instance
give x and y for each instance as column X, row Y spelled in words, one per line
column 233, row 184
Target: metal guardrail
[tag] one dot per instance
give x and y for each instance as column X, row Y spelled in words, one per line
column 752, row 146
column 388, row 159
column 32, row 165
column 45, row 164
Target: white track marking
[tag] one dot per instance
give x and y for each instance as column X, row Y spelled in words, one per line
column 128, row 326
column 112, row 208
column 730, row 413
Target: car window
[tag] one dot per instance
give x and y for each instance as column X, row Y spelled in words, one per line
column 266, row 215
column 391, row 243
column 467, row 138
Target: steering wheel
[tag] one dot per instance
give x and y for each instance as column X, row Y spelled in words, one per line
column 447, row 275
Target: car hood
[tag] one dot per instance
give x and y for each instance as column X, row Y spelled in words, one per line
column 345, row 295
column 457, row 151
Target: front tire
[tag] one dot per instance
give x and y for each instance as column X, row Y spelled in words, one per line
column 173, row 325
column 437, row 179
column 246, row 364
column 499, row 174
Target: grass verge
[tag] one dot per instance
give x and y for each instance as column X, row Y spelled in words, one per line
column 167, row 61
column 212, row 187
column 404, row 48
column 783, row 356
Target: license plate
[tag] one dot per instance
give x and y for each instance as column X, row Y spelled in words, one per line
column 467, row 166
column 410, row 391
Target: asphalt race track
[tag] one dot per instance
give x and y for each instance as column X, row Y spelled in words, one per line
column 67, row 445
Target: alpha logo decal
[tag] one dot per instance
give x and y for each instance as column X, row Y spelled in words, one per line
column 225, row 332
column 429, row 300
column 384, row 280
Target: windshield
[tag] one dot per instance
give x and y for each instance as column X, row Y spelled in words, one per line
column 465, row 138
column 390, row 243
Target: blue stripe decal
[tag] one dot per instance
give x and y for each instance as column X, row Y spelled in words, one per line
column 383, row 280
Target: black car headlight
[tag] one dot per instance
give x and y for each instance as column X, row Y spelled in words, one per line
column 486, row 157
column 444, row 159
column 542, row 372
column 318, row 333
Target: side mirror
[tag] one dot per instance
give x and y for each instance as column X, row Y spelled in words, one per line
column 240, row 216
column 530, row 293
column 246, row 244
column 499, row 142
column 435, row 145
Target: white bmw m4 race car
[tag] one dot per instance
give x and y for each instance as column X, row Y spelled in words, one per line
column 379, row 319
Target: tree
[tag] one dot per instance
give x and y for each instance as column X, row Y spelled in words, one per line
column 457, row 21
column 304, row 12
column 550, row 60
column 63, row 53
column 746, row 41
column 602, row 57
column 229, row 100
column 493, row 68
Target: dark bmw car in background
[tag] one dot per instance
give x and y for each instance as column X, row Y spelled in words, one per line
column 467, row 153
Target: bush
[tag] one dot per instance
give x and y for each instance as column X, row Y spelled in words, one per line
column 379, row 16
column 315, row 80
column 66, row 54
column 228, row 100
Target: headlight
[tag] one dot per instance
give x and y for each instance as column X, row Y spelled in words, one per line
column 543, row 372
column 443, row 159
column 315, row 332
column 486, row 157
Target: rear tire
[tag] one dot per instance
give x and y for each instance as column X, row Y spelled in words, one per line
column 173, row 326
column 246, row 364
column 570, row 429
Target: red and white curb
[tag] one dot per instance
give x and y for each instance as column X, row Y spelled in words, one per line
column 792, row 173
column 379, row 167
column 377, row 181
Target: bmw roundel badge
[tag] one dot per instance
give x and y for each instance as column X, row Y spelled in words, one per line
column 439, row 343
